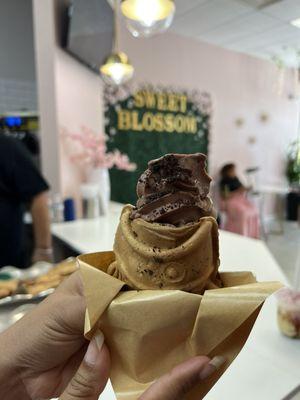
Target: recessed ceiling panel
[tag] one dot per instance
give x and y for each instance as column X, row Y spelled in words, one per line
column 183, row 6
column 208, row 16
column 241, row 25
column 286, row 10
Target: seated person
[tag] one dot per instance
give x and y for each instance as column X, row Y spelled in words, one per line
column 241, row 215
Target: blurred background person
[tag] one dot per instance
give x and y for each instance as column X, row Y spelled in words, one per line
column 21, row 185
column 241, row 215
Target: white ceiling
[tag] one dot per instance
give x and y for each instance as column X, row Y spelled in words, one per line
column 241, row 25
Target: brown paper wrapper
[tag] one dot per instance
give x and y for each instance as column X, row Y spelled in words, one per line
column 150, row 331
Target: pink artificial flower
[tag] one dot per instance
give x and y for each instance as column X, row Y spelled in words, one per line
column 89, row 148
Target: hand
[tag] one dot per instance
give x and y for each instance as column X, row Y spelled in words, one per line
column 45, row 355
column 41, row 353
column 176, row 384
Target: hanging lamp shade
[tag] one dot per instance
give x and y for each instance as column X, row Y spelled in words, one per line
column 116, row 69
column 147, row 17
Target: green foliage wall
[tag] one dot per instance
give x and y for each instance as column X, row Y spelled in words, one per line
column 144, row 145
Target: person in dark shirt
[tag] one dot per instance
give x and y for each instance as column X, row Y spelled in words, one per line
column 241, row 215
column 21, row 184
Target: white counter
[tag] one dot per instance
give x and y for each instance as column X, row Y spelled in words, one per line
column 266, row 369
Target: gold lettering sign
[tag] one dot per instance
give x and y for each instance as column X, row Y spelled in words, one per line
column 124, row 122
column 162, row 101
column 166, row 112
column 150, row 122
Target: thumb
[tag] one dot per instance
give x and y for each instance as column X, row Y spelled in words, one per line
column 92, row 375
column 177, row 383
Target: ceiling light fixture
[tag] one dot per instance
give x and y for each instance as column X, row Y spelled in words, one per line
column 146, row 18
column 296, row 23
column 116, row 68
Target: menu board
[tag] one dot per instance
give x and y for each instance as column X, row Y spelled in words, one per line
column 147, row 122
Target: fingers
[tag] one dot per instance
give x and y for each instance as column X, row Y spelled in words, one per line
column 177, row 383
column 68, row 305
column 92, row 375
column 73, row 284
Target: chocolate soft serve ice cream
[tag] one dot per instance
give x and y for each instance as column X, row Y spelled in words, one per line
column 170, row 239
column 174, row 189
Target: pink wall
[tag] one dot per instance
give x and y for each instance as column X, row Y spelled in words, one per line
column 79, row 102
column 240, row 85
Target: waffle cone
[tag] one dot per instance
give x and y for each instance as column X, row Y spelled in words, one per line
column 160, row 256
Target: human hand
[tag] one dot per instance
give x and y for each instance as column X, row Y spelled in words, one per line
column 45, row 355
column 41, row 353
column 184, row 377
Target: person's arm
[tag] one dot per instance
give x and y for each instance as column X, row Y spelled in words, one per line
column 41, row 228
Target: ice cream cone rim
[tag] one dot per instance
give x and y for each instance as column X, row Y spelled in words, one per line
column 163, row 253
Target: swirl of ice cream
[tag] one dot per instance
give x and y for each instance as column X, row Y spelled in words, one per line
column 174, row 190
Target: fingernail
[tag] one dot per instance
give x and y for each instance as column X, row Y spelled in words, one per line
column 94, row 348
column 213, row 365
column 217, row 361
column 99, row 337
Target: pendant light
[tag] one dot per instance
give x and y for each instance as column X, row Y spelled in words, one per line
column 147, row 17
column 116, row 68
